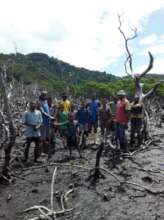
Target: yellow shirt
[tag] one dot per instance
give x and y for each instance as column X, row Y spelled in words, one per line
column 66, row 105
column 136, row 110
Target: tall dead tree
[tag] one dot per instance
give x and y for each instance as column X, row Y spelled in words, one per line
column 128, row 64
column 7, row 111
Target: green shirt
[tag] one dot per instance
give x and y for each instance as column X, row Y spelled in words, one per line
column 63, row 118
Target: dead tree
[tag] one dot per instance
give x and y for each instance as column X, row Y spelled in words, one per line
column 12, row 133
column 128, row 64
column 95, row 174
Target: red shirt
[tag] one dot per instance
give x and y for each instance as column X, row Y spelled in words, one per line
column 121, row 108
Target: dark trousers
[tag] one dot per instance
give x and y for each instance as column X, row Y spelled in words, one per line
column 120, row 135
column 93, row 125
column 29, row 140
column 104, row 127
column 71, row 143
column 136, row 125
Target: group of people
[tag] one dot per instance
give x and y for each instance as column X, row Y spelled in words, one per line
column 44, row 119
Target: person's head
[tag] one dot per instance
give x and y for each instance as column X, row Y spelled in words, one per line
column 114, row 98
column 83, row 104
column 136, row 98
column 64, row 97
column 121, row 94
column 61, row 107
column 71, row 117
column 49, row 100
column 93, row 99
column 32, row 106
column 104, row 102
column 43, row 96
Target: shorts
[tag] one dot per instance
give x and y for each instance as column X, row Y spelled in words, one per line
column 63, row 132
column 36, row 140
column 71, row 142
column 83, row 127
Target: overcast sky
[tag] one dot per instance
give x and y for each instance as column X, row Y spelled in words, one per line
column 84, row 32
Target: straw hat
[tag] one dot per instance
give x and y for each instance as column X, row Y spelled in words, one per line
column 121, row 93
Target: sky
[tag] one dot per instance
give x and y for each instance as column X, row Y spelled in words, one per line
column 85, row 33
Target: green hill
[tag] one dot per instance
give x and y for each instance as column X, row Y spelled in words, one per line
column 59, row 76
column 39, row 66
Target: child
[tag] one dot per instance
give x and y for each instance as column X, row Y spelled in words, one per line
column 62, row 119
column 72, row 135
column 83, row 118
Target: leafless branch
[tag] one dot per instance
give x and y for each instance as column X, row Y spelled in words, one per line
column 150, row 66
column 127, row 39
column 125, row 66
column 12, row 131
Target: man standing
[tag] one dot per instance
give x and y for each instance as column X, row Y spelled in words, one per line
column 33, row 121
column 93, row 122
column 66, row 103
column 121, row 119
column 136, row 119
column 105, row 117
column 62, row 120
column 83, row 118
column 45, row 128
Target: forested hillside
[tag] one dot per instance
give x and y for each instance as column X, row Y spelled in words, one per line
column 38, row 66
column 56, row 75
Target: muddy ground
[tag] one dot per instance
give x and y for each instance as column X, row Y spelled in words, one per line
column 107, row 200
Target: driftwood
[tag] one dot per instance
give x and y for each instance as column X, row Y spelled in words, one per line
column 50, row 213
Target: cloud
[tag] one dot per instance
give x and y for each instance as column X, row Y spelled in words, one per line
column 84, row 33
column 162, row 37
column 154, row 49
column 103, row 16
column 157, row 67
column 149, row 40
column 55, row 32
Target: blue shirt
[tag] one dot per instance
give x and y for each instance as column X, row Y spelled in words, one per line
column 45, row 108
column 83, row 116
column 32, row 118
column 93, row 107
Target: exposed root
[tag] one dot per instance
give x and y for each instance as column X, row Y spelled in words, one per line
column 50, row 214
column 52, row 188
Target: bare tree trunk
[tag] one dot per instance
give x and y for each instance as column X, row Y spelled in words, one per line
column 12, row 132
column 95, row 173
column 137, row 77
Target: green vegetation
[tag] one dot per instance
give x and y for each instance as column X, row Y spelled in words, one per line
column 59, row 76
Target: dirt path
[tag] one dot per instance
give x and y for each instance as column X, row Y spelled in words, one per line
column 106, row 201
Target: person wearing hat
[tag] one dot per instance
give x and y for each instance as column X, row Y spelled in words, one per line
column 121, row 119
